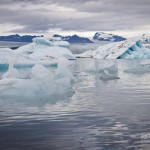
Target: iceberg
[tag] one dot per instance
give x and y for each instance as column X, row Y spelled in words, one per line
column 30, row 70
column 136, row 51
column 109, row 73
column 43, row 50
column 39, row 51
column 129, row 49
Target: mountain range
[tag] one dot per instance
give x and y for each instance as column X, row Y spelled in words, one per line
column 71, row 39
column 99, row 36
column 18, row 38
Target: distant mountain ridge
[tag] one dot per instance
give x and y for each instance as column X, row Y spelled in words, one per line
column 71, row 39
column 101, row 36
column 18, row 38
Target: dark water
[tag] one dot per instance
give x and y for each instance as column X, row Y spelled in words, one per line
column 12, row 45
column 110, row 112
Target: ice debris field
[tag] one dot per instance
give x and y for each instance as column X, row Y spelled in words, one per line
column 41, row 69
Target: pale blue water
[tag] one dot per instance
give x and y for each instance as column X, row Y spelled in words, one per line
column 110, row 113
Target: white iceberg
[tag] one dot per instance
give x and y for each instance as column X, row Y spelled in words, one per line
column 43, row 50
column 129, row 49
column 39, row 51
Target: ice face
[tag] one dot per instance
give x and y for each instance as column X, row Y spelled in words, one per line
column 137, row 51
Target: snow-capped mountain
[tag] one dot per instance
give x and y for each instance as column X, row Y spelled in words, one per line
column 101, row 36
column 145, row 38
column 70, row 39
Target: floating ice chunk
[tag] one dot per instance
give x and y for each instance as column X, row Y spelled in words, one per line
column 39, row 81
column 109, row 73
column 44, row 50
column 104, row 69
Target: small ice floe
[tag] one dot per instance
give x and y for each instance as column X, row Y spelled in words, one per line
column 109, row 73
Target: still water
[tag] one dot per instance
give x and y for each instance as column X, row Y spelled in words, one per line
column 109, row 110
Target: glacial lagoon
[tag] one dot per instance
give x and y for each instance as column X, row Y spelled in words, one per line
column 106, row 108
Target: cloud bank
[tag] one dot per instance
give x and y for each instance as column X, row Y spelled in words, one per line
column 40, row 16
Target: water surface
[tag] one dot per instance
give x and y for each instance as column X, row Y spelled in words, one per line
column 108, row 112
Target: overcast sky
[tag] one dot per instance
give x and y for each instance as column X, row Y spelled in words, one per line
column 49, row 16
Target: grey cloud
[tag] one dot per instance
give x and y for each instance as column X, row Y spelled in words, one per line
column 88, row 15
